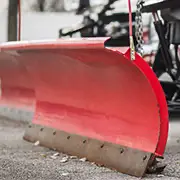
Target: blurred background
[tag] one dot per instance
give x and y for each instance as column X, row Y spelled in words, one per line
column 42, row 19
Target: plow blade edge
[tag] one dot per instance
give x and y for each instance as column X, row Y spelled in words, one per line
column 88, row 101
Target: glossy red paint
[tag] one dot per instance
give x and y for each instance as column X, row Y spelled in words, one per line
column 83, row 88
column 162, row 104
column 16, row 86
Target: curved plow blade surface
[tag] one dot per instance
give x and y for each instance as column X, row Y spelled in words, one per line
column 88, row 101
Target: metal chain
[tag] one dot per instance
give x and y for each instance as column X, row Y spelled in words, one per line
column 139, row 27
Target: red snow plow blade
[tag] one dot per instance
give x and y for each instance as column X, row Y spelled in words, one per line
column 90, row 101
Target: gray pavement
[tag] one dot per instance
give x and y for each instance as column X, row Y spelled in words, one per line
column 20, row 160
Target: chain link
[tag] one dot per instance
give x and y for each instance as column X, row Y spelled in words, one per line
column 139, row 27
